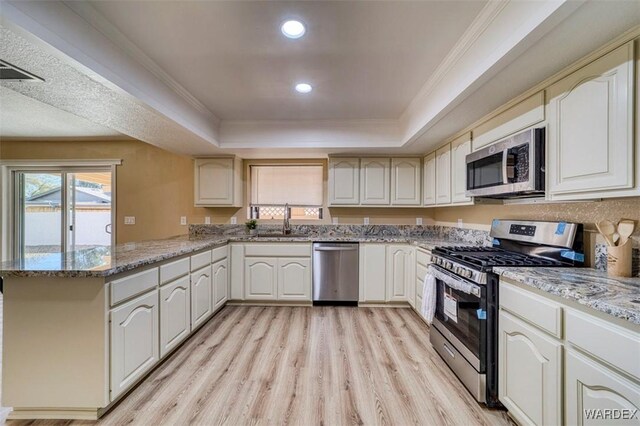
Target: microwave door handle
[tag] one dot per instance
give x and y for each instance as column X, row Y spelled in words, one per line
column 505, row 171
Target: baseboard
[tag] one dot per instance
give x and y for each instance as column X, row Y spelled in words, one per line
column 53, row 413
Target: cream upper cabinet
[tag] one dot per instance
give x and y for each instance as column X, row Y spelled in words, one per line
column 375, row 175
column 294, row 278
column 520, row 116
column 592, row 388
column 405, row 181
column 220, row 282
column 530, row 375
column 134, row 341
column 400, row 272
column 261, row 278
column 344, row 181
column 201, row 296
column 218, row 182
column 429, row 180
column 175, row 314
column 373, row 272
column 460, row 148
column 590, row 130
column 443, row 175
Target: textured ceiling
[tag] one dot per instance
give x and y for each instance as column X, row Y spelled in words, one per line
column 364, row 59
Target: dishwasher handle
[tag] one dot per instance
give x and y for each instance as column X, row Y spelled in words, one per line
column 352, row 248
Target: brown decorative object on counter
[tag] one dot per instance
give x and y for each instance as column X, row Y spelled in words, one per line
column 619, row 260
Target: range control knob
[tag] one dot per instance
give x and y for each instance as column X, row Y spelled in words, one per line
column 448, row 265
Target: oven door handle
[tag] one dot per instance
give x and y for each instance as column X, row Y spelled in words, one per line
column 456, row 282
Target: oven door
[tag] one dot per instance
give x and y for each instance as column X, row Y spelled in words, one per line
column 512, row 166
column 461, row 310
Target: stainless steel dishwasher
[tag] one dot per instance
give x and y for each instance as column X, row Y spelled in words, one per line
column 335, row 273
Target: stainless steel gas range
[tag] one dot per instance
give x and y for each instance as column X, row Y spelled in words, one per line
column 465, row 327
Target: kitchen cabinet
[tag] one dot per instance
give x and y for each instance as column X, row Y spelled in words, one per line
column 261, row 278
column 591, row 388
column 134, row 341
column 236, row 286
column 218, row 182
column 375, row 175
column 460, row 148
column 175, row 314
column 429, row 180
column 201, row 296
column 530, row 376
column 405, row 181
column 591, row 112
column 524, row 114
column 400, row 272
column 373, row 273
column 443, row 175
column 220, row 280
column 294, row 278
column 344, row 181
column 423, row 260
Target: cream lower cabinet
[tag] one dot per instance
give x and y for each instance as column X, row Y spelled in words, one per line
column 175, row 314
column 400, row 273
column 261, row 278
column 220, row 281
column 592, row 390
column 530, row 374
column 134, row 341
column 201, row 296
column 591, row 111
column 373, row 273
column 294, row 278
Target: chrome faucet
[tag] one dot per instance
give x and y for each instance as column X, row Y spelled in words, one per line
column 286, row 226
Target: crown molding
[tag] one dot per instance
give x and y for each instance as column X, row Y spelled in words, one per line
column 87, row 12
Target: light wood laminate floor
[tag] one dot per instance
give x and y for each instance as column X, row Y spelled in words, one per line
column 303, row 366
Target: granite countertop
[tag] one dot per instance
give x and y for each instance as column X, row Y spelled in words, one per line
column 619, row 297
column 107, row 261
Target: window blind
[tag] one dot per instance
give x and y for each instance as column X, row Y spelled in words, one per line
column 299, row 185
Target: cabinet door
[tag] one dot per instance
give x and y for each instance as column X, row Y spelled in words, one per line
column 375, row 183
column 134, row 341
column 175, row 314
column 220, row 279
column 460, row 148
column 261, row 278
column 214, row 181
column 443, row 175
column 237, row 272
column 294, row 278
column 530, row 375
column 201, row 297
column 592, row 391
column 344, row 181
column 405, row 181
column 429, row 180
column 400, row 272
column 591, row 111
column 373, row 273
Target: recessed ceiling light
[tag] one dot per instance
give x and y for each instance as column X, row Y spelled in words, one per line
column 293, row 29
column 303, row 88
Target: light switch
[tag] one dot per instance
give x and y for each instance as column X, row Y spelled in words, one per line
column 129, row 220
column 366, row 220
column 207, row 220
column 418, row 221
column 234, row 220
column 460, row 224
column 183, row 220
column 334, row 220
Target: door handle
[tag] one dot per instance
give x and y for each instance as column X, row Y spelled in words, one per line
column 505, row 171
column 449, row 351
column 107, row 228
column 335, row 248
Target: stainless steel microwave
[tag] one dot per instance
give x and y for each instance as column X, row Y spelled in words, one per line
column 511, row 168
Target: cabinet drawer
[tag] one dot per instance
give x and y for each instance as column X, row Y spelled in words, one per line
column 278, row 250
column 127, row 287
column 200, row 260
column 219, row 253
column 419, row 288
column 537, row 310
column 421, row 272
column 173, row 270
column 423, row 257
column 615, row 345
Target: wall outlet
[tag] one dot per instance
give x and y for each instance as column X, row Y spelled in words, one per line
column 207, row 220
column 460, row 224
column 418, row 221
column 334, row 220
column 129, row 220
column 234, row 220
column 366, row 221
column 183, row 220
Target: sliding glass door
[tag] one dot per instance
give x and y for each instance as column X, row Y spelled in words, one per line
column 62, row 210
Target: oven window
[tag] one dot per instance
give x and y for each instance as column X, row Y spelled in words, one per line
column 485, row 172
column 464, row 324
